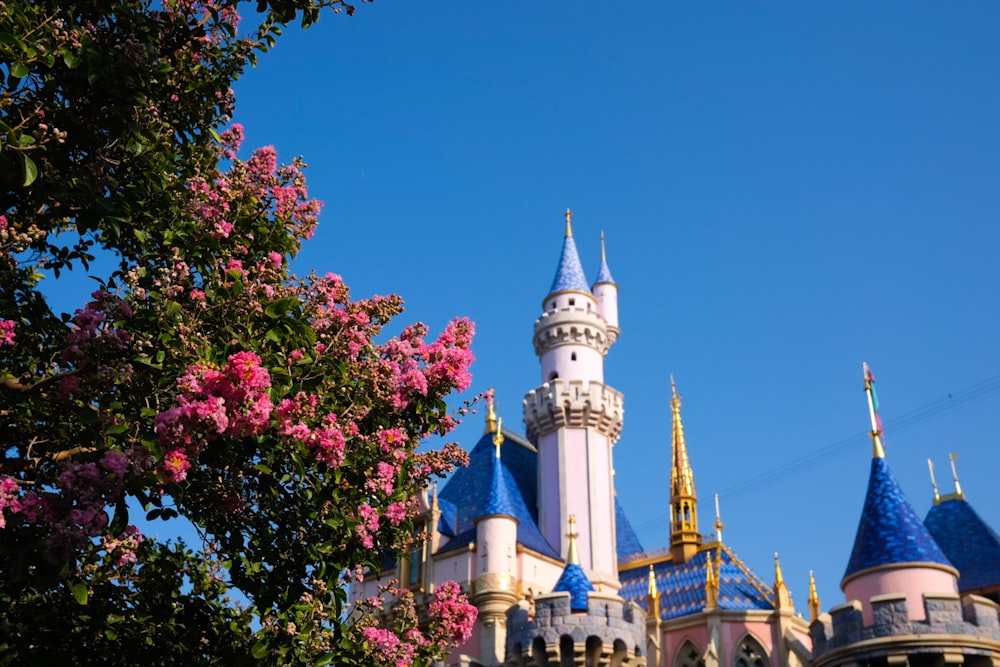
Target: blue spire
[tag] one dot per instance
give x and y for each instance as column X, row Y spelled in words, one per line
column 569, row 274
column 604, row 273
column 573, row 579
column 969, row 542
column 890, row 532
column 498, row 501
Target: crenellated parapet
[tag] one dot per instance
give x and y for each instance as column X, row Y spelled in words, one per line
column 958, row 629
column 611, row 631
column 573, row 404
column 572, row 326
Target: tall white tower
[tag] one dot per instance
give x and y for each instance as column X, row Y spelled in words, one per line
column 573, row 417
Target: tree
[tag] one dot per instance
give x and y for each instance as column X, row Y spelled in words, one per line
column 203, row 381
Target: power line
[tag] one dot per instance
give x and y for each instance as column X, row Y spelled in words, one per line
column 933, row 410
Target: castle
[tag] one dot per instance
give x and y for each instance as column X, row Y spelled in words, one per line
column 533, row 532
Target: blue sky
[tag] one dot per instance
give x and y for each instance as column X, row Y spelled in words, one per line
column 788, row 189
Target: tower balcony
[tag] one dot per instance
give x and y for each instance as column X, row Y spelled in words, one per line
column 574, row 404
column 572, row 325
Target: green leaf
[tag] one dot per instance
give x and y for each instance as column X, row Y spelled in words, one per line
column 30, row 169
column 19, row 70
column 259, row 649
column 79, row 590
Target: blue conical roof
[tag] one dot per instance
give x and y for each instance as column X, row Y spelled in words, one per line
column 569, row 274
column 498, row 501
column 575, row 582
column 890, row 532
column 968, row 541
column 604, row 274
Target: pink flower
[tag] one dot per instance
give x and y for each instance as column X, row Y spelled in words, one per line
column 175, row 466
column 6, row 332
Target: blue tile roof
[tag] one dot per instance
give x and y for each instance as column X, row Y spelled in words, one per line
column 468, row 491
column 575, row 582
column 569, row 274
column 682, row 587
column 626, row 541
column 968, row 542
column 499, row 501
column 604, row 274
column 890, row 532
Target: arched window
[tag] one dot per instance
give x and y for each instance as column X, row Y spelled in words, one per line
column 594, row 648
column 750, row 654
column 566, row 651
column 572, row 356
column 539, row 654
column 553, row 376
column 689, row 656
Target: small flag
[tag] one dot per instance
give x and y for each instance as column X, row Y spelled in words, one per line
column 870, row 388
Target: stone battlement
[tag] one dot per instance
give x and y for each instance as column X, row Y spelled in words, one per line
column 609, row 622
column 947, row 615
column 572, row 325
column 573, row 404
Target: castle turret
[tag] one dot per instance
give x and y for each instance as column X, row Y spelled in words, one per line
column 574, row 419
column 496, row 540
column 605, row 289
column 893, row 551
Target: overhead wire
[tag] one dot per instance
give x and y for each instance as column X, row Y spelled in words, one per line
column 933, row 410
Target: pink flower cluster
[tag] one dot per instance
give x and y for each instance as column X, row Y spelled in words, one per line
column 9, row 492
column 452, row 615
column 232, row 402
column 6, row 332
column 122, row 549
column 326, row 440
column 95, row 341
column 418, row 367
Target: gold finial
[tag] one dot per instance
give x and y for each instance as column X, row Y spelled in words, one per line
column 652, row 592
column 782, row 598
column 498, row 436
column 491, row 416
column 718, row 520
column 604, row 255
column 572, row 557
column 569, row 222
column 712, row 580
column 878, row 452
column 937, row 496
column 954, row 474
column 779, row 579
column 813, row 599
column 684, row 536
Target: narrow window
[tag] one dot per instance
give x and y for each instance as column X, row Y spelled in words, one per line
column 572, row 302
column 572, row 357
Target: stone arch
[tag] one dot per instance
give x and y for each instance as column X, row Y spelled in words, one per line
column 539, row 652
column 566, row 649
column 619, row 653
column 592, row 651
column 689, row 655
column 750, row 652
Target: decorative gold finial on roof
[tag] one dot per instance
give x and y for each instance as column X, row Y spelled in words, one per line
column 712, row 570
column 954, row 474
column 684, row 536
column 778, row 577
column 878, row 452
column 569, row 222
column 498, row 436
column 782, row 598
column 652, row 591
column 813, row 599
column 491, row 415
column 718, row 520
column 937, row 496
column 572, row 557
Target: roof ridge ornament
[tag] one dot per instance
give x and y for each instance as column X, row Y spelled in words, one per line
column 813, row 599
column 718, row 525
column 954, row 473
column 572, row 556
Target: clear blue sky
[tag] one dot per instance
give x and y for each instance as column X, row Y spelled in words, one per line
column 787, row 188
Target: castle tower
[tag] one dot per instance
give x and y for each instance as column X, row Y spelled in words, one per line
column 574, row 418
column 684, row 536
column 496, row 539
column 893, row 551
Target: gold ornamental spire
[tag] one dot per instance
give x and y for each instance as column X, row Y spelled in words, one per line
column 937, row 496
column 711, row 582
column 491, row 417
column 684, row 536
column 498, row 436
column 779, row 578
column 572, row 557
column 569, row 223
column 782, row 598
column 651, row 589
column 813, row 599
